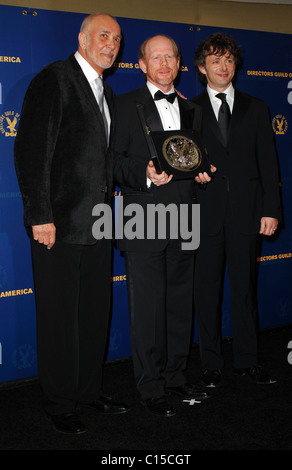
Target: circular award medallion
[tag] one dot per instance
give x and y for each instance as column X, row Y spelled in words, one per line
column 181, row 153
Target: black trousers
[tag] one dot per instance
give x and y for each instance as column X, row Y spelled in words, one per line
column 240, row 252
column 160, row 291
column 72, row 291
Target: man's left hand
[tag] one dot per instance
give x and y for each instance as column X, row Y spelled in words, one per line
column 204, row 177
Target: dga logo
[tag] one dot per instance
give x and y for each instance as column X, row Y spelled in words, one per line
column 24, row 357
column 8, row 123
column 280, row 124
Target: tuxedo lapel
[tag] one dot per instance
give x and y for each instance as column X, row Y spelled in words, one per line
column 149, row 109
column 152, row 116
column 190, row 115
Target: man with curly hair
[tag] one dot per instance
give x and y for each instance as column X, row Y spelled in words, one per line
column 238, row 207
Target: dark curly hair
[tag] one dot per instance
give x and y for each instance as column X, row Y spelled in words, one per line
column 218, row 44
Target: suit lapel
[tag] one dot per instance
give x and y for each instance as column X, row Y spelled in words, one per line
column 86, row 89
column 109, row 99
column 240, row 107
column 211, row 123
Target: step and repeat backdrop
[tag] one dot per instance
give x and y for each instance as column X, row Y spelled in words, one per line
column 30, row 39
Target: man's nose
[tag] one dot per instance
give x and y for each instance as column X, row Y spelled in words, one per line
column 110, row 42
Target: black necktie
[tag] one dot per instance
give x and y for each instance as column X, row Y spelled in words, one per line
column 224, row 115
column 159, row 96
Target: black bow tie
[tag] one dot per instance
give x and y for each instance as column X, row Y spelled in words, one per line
column 159, row 96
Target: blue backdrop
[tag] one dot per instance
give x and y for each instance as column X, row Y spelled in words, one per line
column 32, row 38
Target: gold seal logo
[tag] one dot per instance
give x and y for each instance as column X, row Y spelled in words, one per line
column 280, row 124
column 8, row 123
column 181, row 153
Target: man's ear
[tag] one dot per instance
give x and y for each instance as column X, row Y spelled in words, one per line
column 142, row 66
column 82, row 40
column 202, row 69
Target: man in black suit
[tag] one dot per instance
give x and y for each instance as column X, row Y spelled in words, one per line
column 238, row 206
column 159, row 272
column 63, row 158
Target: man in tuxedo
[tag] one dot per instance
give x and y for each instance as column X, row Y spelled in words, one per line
column 159, row 272
column 63, row 158
column 241, row 204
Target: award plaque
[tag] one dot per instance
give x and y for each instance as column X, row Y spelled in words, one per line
column 179, row 153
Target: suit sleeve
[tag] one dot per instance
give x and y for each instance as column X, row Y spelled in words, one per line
column 268, row 166
column 34, row 146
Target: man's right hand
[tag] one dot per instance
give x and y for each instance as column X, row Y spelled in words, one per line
column 155, row 178
column 45, row 234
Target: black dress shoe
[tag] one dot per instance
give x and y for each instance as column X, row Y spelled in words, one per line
column 159, row 406
column 211, row 378
column 107, row 405
column 257, row 374
column 68, row 423
column 188, row 392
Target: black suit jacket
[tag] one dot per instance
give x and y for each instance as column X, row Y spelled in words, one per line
column 132, row 157
column 62, row 162
column 247, row 170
